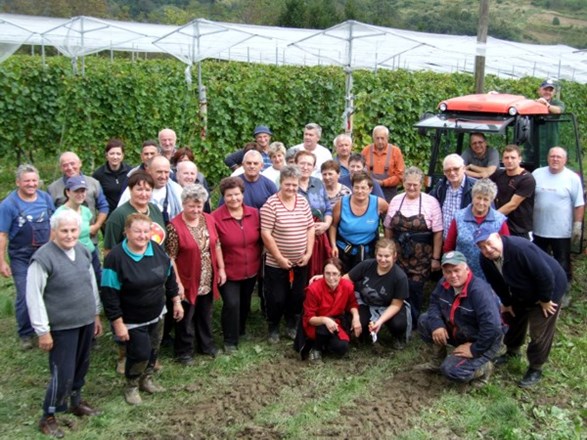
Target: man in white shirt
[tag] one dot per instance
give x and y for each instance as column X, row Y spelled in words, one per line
column 312, row 134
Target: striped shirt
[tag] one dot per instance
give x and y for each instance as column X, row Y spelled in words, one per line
column 289, row 228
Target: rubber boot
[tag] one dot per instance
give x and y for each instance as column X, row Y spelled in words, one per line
column 433, row 365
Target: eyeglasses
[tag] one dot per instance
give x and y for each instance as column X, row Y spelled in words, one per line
column 452, row 170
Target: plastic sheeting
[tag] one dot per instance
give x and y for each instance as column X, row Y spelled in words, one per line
column 409, row 50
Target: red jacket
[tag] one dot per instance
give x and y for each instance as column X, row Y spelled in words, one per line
column 241, row 242
column 321, row 301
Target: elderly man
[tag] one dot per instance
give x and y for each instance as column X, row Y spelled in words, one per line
column 480, row 160
column 24, row 227
column 463, row 313
column 384, row 161
column 166, row 193
column 258, row 188
column 453, row 191
column 71, row 165
column 65, row 318
column 148, row 151
column 530, row 284
column 167, row 140
column 187, row 173
column 558, row 208
column 343, row 145
column 312, row 135
column 262, row 136
column 356, row 165
column 515, row 192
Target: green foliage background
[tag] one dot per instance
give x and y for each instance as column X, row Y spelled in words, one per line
column 45, row 110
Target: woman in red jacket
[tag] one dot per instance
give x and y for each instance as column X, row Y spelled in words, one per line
column 239, row 233
column 192, row 243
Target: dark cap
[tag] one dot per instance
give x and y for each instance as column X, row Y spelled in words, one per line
column 454, row 258
column 548, row 83
column 262, row 129
column 76, row 182
column 482, row 234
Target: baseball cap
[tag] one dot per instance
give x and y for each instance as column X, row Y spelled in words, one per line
column 482, row 234
column 454, row 258
column 262, row 129
column 76, row 182
column 548, row 83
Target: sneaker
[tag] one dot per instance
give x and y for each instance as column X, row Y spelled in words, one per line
column 48, row 426
column 27, row 343
column 531, row 378
column 315, row 355
column 230, row 349
column 185, row 360
column 273, row 337
column 132, row 396
column 505, row 358
column 291, row 333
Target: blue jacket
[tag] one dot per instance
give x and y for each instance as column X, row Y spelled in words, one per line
column 472, row 316
column 528, row 274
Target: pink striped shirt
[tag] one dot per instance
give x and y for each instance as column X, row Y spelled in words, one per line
column 289, row 228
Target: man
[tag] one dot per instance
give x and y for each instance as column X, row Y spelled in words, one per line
column 385, row 162
column 480, row 160
column 71, row 165
column 453, row 191
column 258, row 188
column 463, row 313
column 530, row 285
column 558, row 208
column 64, row 309
column 187, row 174
column 149, row 151
column 343, row 145
column 167, row 140
column 515, row 192
column 549, row 132
column 312, row 135
column 24, row 227
column 262, row 136
column 166, row 193
column 356, row 165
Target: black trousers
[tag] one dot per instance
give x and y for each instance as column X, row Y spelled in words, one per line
column 236, row 304
column 142, row 349
column 559, row 248
column 329, row 342
column 195, row 327
column 69, row 360
column 397, row 326
column 282, row 298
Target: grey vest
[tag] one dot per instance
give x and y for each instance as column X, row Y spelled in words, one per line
column 68, row 295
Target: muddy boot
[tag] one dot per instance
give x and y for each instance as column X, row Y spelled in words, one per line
column 121, row 362
column 482, row 375
column 433, row 365
column 146, row 384
column 131, row 392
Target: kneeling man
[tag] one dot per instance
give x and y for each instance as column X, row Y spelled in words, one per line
column 463, row 313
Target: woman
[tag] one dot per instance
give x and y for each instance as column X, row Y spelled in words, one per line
column 313, row 190
column 194, row 249
column 326, row 322
column 355, row 222
column 287, row 230
column 277, row 156
column 140, row 186
column 468, row 221
column 113, row 175
column 330, row 174
column 183, row 154
column 240, row 237
column 138, row 277
column 382, row 289
column 67, row 337
column 414, row 222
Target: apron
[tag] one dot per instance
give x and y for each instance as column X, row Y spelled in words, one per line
column 388, row 191
column 414, row 241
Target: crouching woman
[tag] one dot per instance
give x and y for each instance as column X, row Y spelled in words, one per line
column 63, row 303
column 137, row 278
column 329, row 305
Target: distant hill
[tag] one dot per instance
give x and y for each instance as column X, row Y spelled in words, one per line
column 530, row 21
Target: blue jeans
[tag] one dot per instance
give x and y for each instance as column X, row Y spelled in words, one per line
column 19, row 263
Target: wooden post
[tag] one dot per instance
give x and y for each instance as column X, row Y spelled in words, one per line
column 481, row 45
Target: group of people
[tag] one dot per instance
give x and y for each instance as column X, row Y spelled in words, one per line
column 303, row 226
